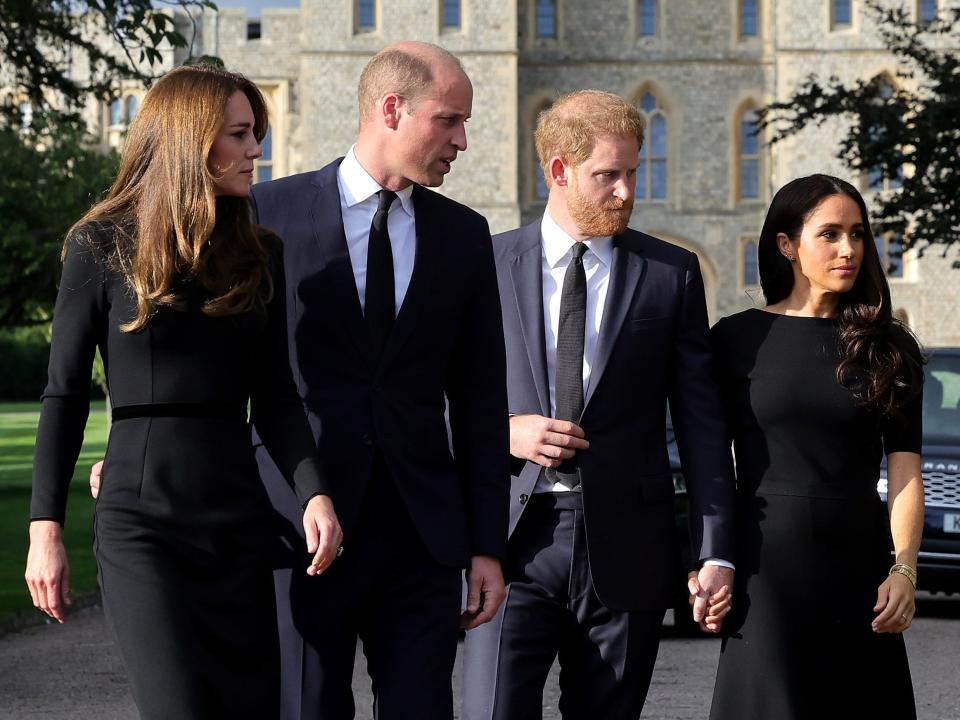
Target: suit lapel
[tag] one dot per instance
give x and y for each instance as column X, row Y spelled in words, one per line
column 526, row 270
column 429, row 224
column 327, row 222
column 625, row 275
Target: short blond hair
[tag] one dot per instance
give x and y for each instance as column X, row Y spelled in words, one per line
column 569, row 128
column 407, row 73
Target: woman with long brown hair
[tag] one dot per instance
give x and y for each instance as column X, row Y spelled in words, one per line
column 819, row 386
column 184, row 297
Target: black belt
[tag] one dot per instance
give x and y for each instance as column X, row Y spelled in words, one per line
column 569, row 500
column 195, row 410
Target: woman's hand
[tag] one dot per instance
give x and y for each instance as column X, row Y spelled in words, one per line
column 324, row 536
column 895, row 603
column 48, row 572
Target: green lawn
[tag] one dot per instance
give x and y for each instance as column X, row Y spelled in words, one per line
column 18, row 425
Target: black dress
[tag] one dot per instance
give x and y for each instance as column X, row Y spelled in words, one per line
column 182, row 523
column 812, row 533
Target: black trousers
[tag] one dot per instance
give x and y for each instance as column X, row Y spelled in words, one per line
column 387, row 590
column 552, row 611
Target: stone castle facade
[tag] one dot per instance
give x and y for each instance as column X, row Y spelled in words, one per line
column 696, row 68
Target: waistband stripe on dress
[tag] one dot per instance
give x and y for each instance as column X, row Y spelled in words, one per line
column 198, row 410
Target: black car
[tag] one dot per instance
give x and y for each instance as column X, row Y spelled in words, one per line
column 939, row 562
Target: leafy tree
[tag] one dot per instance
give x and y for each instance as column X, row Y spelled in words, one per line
column 50, row 178
column 905, row 132
column 44, row 43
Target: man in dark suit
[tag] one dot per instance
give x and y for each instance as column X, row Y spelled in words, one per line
column 393, row 314
column 604, row 326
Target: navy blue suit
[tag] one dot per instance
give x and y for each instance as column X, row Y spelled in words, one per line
column 415, row 502
column 653, row 348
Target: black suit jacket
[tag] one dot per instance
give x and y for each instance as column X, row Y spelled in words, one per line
column 653, row 348
column 446, row 344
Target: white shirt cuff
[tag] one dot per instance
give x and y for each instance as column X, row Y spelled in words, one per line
column 721, row 563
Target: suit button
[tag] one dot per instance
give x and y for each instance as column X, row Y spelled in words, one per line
column 524, row 498
column 366, row 440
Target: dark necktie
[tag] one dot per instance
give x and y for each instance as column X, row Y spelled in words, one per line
column 569, row 371
column 379, row 299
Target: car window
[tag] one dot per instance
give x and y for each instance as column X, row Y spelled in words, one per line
column 941, row 400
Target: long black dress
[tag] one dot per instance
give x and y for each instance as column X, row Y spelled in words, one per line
column 812, row 545
column 182, row 524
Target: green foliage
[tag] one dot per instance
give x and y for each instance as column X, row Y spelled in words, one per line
column 912, row 123
column 44, row 42
column 18, row 426
column 50, row 179
column 23, row 362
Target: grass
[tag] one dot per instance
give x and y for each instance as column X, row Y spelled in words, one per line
column 18, row 426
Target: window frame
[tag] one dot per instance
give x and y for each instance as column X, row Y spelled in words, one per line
column 749, row 106
column 741, row 35
column 444, row 26
column 358, row 27
column 836, row 25
column 742, row 242
column 657, row 20
column 645, row 166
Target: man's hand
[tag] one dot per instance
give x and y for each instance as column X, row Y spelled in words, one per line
column 544, row 440
column 323, row 533
column 485, row 591
column 48, row 572
column 712, row 592
column 95, row 472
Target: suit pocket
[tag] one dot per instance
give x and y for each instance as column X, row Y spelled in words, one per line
column 652, row 323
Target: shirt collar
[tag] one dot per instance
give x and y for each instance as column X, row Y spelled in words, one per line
column 358, row 186
column 557, row 243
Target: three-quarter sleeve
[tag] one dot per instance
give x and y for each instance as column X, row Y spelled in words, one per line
column 79, row 322
column 903, row 431
column 276, row 409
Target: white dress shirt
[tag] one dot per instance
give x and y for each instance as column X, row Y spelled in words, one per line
column 556, row 251
column 358, row 205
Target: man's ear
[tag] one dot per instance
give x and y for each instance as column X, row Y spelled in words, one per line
column 559, row 171
column 389, row 107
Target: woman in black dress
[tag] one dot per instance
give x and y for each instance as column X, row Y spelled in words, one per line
column 185, row 300
column 819, row 385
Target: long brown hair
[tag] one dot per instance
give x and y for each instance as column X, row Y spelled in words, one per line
column 169, row 224
column 879, row 361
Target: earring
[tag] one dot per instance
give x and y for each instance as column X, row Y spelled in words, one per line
column 791, row 258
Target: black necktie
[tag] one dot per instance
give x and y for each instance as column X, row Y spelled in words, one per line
column 379, row 299
column 569, row 372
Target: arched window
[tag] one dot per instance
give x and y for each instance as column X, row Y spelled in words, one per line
column 841, row 14
column 748, row 146
column 749, row 18
column 647, row 18
column 546, row 18
column 652, row 171
column 749, row 269
column 881, row 177
column 116, row 111
column 133, row 104
column 366, row 14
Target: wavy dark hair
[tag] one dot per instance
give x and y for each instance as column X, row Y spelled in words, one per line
column 880, row 361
